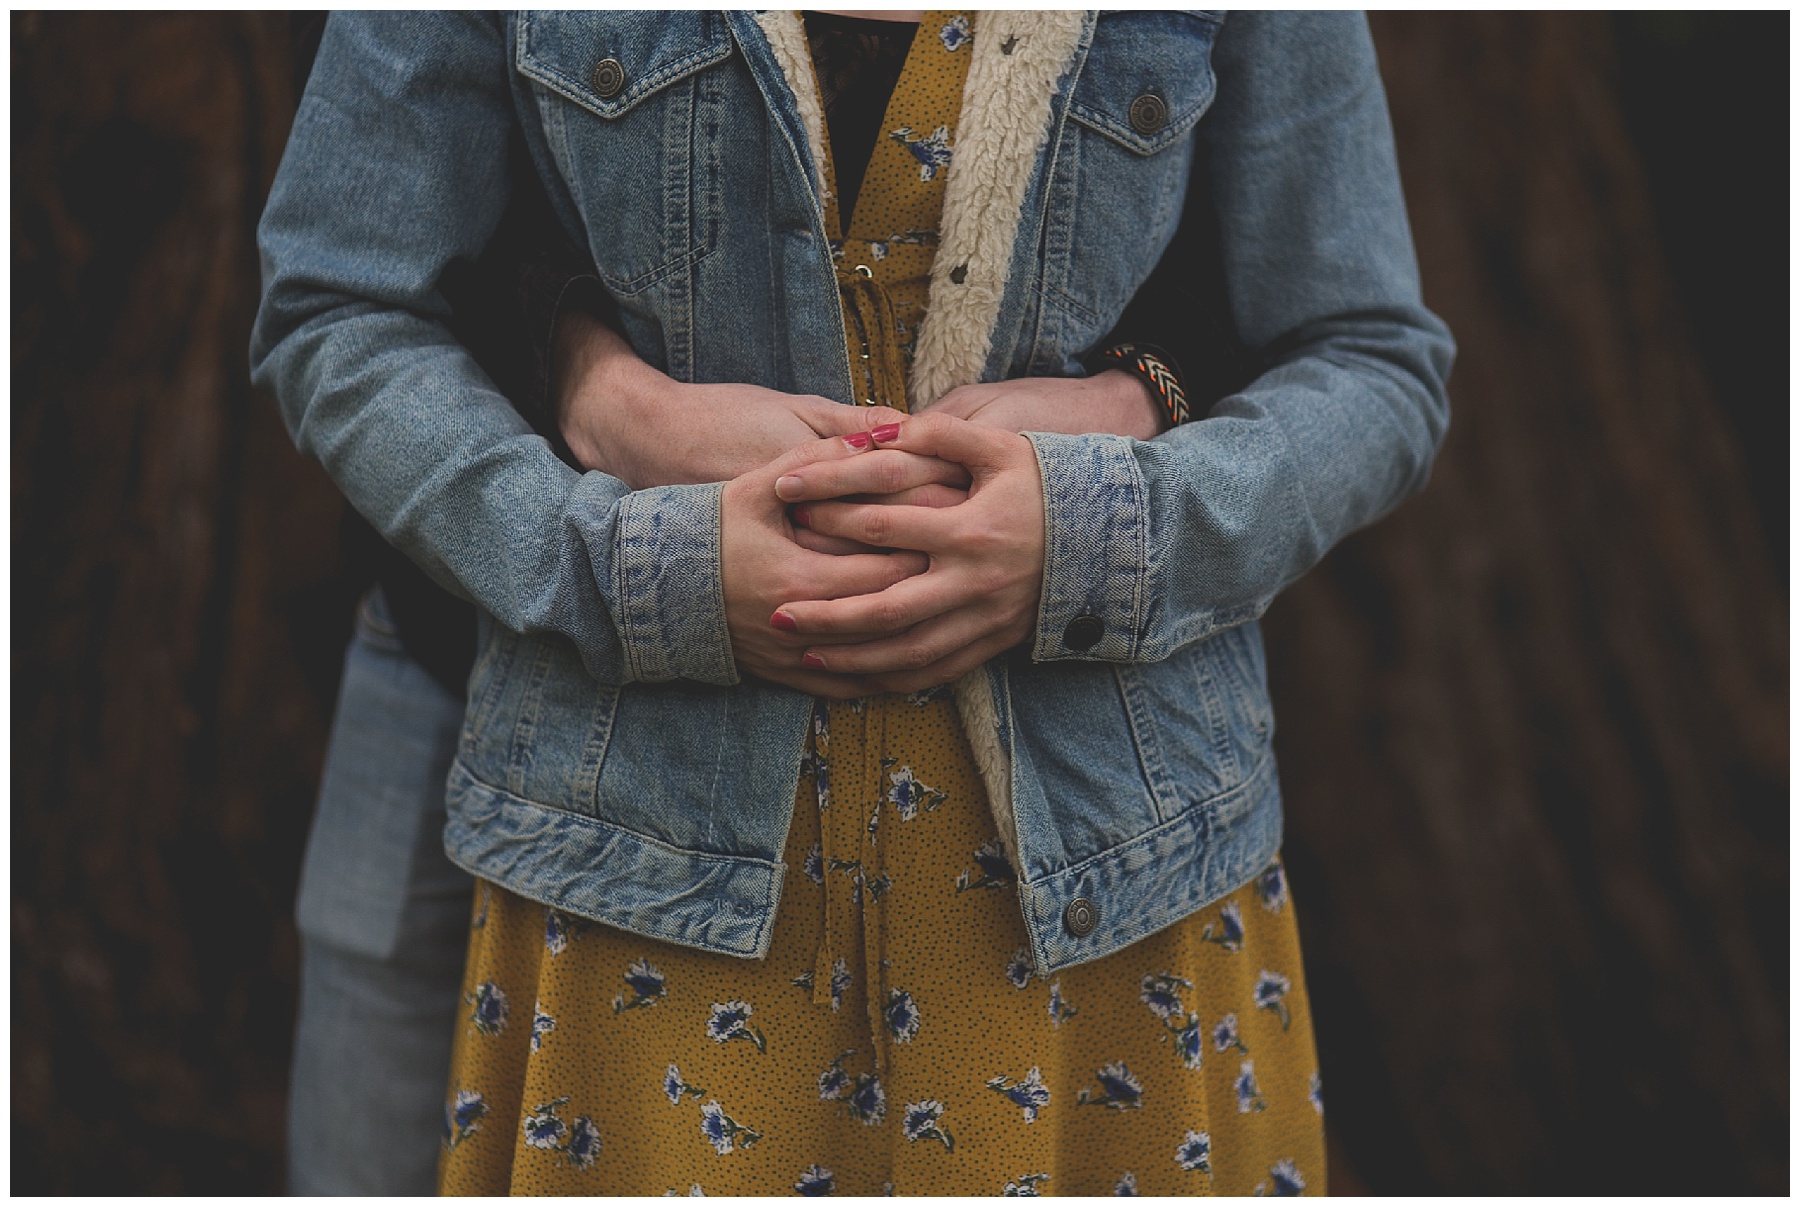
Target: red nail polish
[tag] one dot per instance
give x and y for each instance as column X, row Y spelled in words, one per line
column 861, row 439
column 886, row 432
column 781, row 620
column 802, row 517
column 812, row 660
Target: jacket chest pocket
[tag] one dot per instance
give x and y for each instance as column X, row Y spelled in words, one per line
column 633, row 116
column 1122, row 162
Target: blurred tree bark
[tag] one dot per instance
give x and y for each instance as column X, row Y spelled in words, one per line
column 1533, row 725
column 178, row 616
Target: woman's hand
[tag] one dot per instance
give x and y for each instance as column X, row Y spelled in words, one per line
column 980, row 595
column 1112, row 401
column 622, row 417
column 764, row 570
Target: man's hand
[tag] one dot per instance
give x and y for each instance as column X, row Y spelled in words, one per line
column 1112, row 401
column 622, row 417
column 980, row 595
column 764, row 569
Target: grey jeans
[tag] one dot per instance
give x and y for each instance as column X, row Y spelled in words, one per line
column 383, row 919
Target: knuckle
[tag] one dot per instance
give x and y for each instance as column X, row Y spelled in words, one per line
column 887, row 614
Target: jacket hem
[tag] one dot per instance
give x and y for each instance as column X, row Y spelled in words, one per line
column 1151, row 880
column 604, row 873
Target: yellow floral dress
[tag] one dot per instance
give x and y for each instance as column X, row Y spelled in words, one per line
column 896, row 1039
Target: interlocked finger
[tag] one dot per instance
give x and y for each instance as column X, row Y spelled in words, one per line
column 883, row 525
column 881, row 472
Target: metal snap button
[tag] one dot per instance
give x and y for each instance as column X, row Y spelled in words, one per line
column 1149, row 113
column 609, row 78
column 1080, row 917
column 1083, row 633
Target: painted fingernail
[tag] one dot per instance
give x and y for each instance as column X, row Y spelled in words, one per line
column 859, row 439
column 781, row 620
column 886, row 432
column 788, row 485
column 811, row 659
column 803, row 517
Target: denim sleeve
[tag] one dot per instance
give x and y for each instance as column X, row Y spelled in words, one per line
column 398, row 167
column 1165, row 542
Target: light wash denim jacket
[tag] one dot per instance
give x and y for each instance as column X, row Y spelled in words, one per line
column 612, row 761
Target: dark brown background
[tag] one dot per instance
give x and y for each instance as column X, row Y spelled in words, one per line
column 1534, row 725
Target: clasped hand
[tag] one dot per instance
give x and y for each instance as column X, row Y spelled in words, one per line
column 861, row 550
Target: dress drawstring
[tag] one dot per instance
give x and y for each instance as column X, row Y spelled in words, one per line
column 878, row 366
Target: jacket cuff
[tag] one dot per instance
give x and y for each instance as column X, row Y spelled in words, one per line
column 1096, row 526
column 671, row 594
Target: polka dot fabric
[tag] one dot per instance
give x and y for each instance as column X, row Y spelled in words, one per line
column 895, row 1040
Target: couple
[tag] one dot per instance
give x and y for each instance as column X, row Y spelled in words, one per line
column 857, row 802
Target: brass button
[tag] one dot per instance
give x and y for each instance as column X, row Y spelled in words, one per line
column 1080, row 917
column 1083, row 633
column 609, row 79
column 1149, row 113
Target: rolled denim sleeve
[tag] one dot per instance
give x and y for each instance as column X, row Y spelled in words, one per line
column 1344, row 419
column 397, row 167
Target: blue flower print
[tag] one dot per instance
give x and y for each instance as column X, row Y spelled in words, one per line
column 731, row 1020
column 1018, row 969
column 676, row 1089
column 489, row 1015
column 1060, row 1010
column 804, row 980
column 462, row 1116
column 932, row 151
column 841, row 980
column 1225, row 1036
column 955, row 33
column 723, row 1132
column 822, row 781
column 879, row 886
column 917, row 699
column 693, row 1192
column 1288, row 1182
column 1188, row 1041
column 1029, row 1095
column 541, row 1025
column 993, row 868
column 815, row 1181
column 481, row 909
column 868, row 1101
column 901, row 1015
column 834, row 1083
column 1160, row 992
column 1228, row 932
column 920, row 1122
column 908, row 795
column 1271, row 987
column 1315, row 1093
column 1272, row 887
column 814, row 867
column 1126, row 1186
column 1195, row 1152
column 1249, row 1097
column 1025, row 1186
column 1120, row 1090
column 556, row 932
column 645, row 981
column 543, row 1129
column 583, row 1144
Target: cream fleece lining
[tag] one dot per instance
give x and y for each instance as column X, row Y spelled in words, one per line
column 1018, row 58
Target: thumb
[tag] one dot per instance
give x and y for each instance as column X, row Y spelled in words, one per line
column 836, row 419
column 945, row 436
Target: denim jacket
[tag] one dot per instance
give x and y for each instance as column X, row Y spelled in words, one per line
column 612, row 761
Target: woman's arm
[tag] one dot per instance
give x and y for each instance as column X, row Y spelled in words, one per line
column 1150, row 545
column 396, row 167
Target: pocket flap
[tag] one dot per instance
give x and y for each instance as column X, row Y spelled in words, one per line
column 1156, row 61
column 564, row 51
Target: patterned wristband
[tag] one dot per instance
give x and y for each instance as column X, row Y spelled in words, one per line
column 1143, row 362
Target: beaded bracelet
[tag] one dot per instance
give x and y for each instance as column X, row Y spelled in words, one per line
column 1146, row 364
